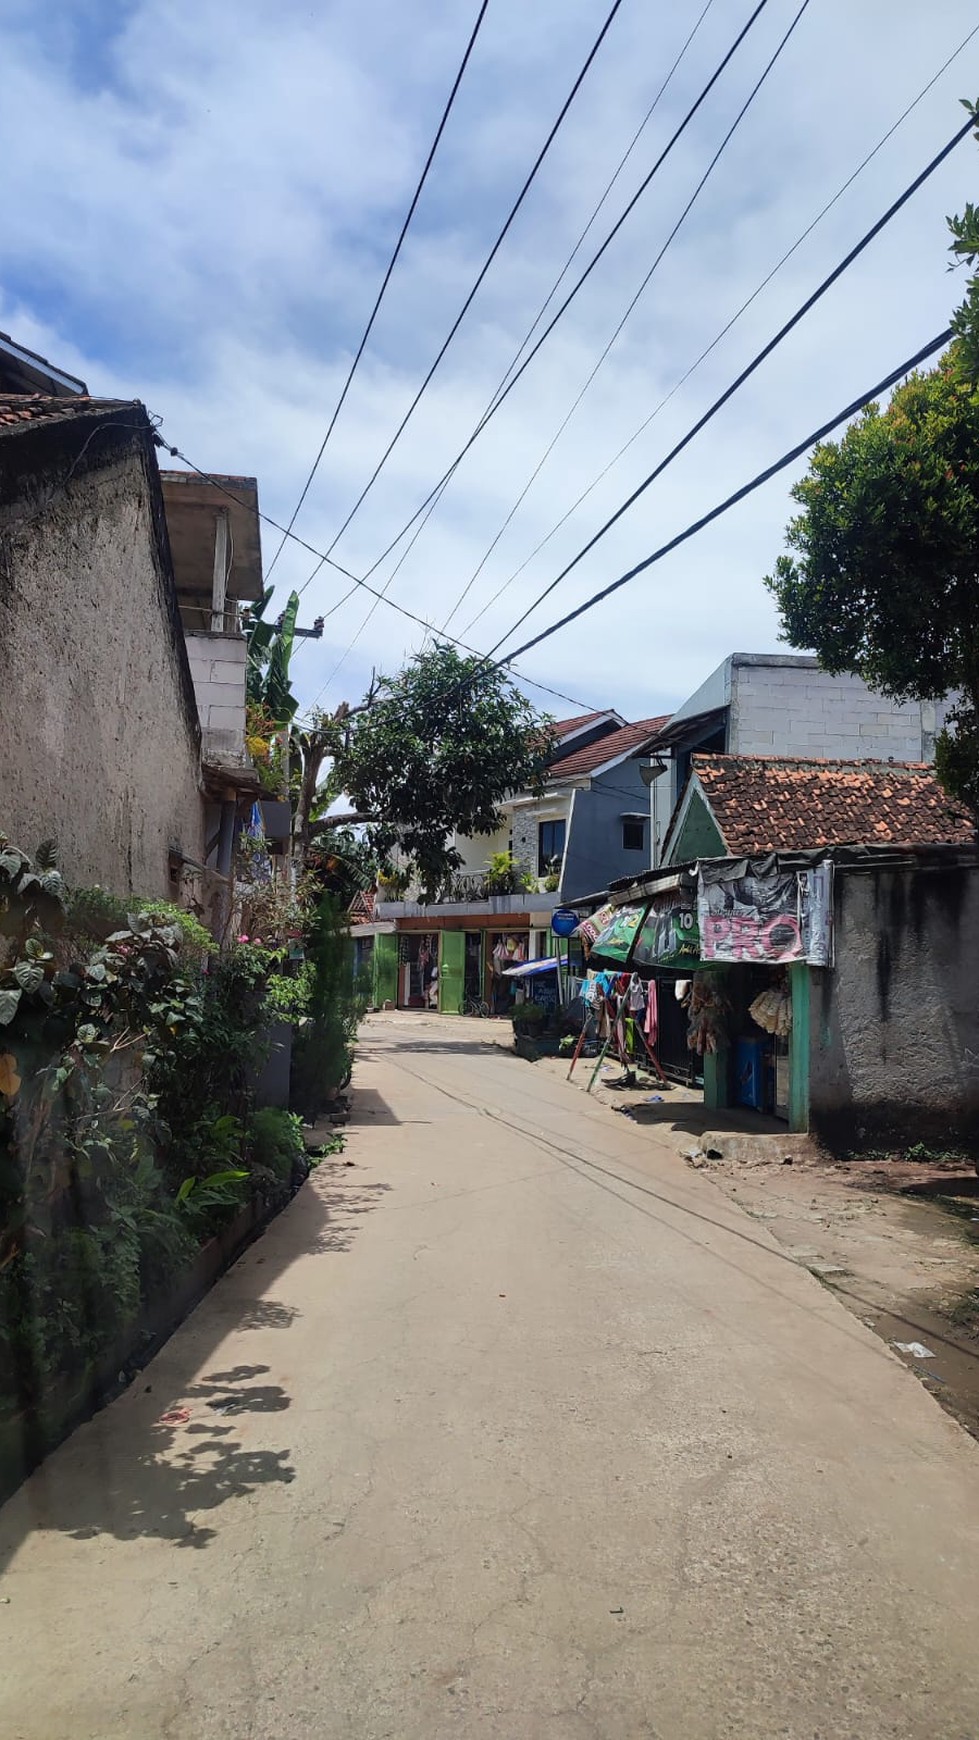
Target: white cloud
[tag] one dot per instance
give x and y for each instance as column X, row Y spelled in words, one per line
column 203, row 203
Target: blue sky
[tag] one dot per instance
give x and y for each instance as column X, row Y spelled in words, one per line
column 198, row 202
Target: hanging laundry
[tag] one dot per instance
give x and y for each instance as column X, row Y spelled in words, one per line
column 651, row 1025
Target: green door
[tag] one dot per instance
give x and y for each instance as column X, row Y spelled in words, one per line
column 385, row 970
column 452, row 970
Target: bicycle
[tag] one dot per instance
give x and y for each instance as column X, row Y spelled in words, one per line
column 474, row 1006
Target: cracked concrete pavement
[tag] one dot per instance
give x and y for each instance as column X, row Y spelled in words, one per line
column 514, row 1428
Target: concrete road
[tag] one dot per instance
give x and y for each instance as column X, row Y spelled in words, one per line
column 514, row 1429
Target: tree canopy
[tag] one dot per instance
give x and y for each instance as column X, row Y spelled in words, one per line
column 964, row 248
column 884, row 575
column 433, row 752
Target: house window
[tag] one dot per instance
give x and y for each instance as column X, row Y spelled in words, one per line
column 633, row 836
column 550, row 847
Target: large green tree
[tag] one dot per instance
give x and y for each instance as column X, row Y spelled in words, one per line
column 883, row 578
column 433, row 751
column 964, row 248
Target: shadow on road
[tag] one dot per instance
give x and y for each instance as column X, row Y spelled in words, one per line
column 147, row 1468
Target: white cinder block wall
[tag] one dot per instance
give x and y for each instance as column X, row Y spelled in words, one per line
column 217, row 665
column 795, row 708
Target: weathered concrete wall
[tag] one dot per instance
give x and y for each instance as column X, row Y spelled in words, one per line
column 894, row 1026
column 100, row 738
column 780, row 709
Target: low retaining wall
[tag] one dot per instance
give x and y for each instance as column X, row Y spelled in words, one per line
column 25, row 1440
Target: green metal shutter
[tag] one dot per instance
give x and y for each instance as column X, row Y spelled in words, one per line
column 452, row 972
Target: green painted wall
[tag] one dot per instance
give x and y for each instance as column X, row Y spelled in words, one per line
column 385, row 970
column 699, row 836
column 799, row 1047
column 452, row 971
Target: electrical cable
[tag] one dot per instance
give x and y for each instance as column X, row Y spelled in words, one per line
column 176, row 453
column 746, row 373
column 644, row 425
column 691, row 202
column 739, row 495
column 928, row 350
column 482, row 274
column 484, row 420
column 384, row 282
column 436, row 498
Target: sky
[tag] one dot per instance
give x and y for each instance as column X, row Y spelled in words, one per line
column 199, row 202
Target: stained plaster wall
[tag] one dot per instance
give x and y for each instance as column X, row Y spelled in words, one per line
column 100, row 730
column 894, row 1026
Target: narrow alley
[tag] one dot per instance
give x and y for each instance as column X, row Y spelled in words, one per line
column 509, row 1427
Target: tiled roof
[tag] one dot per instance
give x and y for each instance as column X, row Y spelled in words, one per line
column 16, row 409
column 564, row 727
column 776, row 803
column 608, row 748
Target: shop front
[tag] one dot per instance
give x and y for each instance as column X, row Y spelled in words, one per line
column 725, row 949
column 418, row 974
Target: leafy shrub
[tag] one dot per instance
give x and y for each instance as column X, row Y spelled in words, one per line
column 288, row 995
column 276, row 1147
column 528, row 1018
column 322, row 1051
column 505, row 875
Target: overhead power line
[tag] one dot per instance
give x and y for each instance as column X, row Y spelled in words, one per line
column 820, row 434
column 435, row 499
column 725, row 329
column 691, row 202
column 176, row 453
column 518, row 202
column 746, row 373
column 565, row 305
column 384, row 282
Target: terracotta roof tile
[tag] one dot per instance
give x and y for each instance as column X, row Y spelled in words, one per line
column 16, row 409
column 607, row 748
column 781, row 803
column 564, row 727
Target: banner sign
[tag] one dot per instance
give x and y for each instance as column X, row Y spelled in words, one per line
column 670, row 935
column 772, row 918
column 616, row 936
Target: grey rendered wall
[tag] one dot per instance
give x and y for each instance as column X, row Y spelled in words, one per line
column 780, row 709
column 594, row 855
column 894, row 1026
column 100, row 735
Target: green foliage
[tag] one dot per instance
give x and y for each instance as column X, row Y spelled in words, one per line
column 341, row 864
column 435, row 752
column 275, row 1142
column 964, row 248
column 196, row 941
column 32, row 893
column 269, row 654
column 504, row 875
column 287, row 995
column 528, row 1018
column 323, row 1047
column 96, row 913
column 883, row 579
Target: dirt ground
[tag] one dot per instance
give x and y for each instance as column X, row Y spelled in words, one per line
column 896, row 1239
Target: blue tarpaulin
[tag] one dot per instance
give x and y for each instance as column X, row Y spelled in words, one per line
column 531, row 967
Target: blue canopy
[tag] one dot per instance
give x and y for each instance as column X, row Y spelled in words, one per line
column 530, row 967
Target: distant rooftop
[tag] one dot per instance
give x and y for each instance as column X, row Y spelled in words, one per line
column 783, row 803
column 23, row 371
